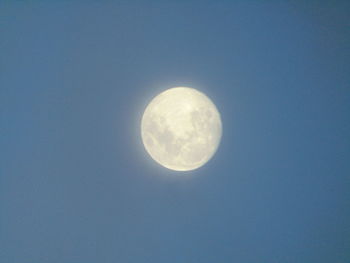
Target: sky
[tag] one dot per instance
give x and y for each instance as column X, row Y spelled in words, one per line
column 76, row 184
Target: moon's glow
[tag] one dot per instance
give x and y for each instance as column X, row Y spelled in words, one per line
column 181, row 129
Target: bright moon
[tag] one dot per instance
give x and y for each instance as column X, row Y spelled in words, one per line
column 181, row 129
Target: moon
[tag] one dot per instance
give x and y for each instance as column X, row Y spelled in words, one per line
column 181, row 129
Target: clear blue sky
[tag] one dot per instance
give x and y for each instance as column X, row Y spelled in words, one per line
column 76, row 185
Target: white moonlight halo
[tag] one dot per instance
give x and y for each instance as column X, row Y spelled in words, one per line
column 181, row 129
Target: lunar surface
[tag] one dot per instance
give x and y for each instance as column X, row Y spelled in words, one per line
column 181, row 129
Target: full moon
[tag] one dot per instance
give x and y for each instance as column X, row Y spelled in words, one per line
column 181, row 129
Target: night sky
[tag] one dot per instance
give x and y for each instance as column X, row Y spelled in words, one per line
column 76, row 184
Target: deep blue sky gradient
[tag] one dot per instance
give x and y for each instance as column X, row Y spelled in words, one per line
column 76, row 185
